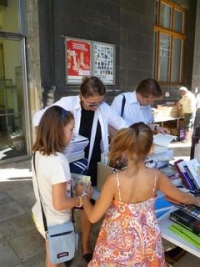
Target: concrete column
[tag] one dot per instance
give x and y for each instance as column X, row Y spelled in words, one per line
column 196, row 61
column 33, row 59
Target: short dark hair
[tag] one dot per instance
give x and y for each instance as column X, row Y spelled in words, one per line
column 50, row 132
column 149, row 87
column 92, row 86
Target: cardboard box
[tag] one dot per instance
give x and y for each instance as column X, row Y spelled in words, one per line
column 102, row 173
column 167, row 111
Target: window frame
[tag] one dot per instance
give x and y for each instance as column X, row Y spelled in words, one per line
column 158, row 31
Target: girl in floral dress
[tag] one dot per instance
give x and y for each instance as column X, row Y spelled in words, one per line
column 130, row 235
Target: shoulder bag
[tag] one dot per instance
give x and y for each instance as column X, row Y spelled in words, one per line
column 62, row 239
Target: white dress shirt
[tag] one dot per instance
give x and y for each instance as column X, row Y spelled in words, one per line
column 133, row 111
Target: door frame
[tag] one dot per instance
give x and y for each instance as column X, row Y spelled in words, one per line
column 22, row 40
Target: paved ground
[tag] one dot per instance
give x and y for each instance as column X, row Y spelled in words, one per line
column 20, row 243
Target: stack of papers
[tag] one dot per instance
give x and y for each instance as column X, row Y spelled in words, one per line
column 75, row 149
column 161, row 159
column 161, row 154
column 161, row 142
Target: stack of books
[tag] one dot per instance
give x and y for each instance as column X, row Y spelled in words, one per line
column 189, row 172
column 75, row 149
column 171, row 172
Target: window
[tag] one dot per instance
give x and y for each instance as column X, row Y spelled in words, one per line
column 169, row 39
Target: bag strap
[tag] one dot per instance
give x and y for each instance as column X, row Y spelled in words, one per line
column 93, row 135
column 43, row 214
column 123, row 104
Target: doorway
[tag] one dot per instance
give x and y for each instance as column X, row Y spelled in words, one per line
column 14, row 123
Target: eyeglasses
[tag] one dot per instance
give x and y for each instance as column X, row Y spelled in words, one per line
column 94, row 104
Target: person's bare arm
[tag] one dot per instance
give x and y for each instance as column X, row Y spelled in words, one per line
column 173, row 192
column 94, row 213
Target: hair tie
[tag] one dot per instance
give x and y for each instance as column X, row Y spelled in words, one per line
column 63, row 113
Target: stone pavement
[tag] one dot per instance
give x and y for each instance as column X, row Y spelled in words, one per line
column 20, row 243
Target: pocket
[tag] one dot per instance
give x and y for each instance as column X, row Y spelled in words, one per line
column 62, row 242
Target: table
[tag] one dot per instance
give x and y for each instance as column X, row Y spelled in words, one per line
column 164, row 119
column 164, row 223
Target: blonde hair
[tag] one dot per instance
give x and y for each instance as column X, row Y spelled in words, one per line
column 135, row 142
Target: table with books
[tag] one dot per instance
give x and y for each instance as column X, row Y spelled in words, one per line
column 175, row 234
column 184, row 174
column 180, row 224
column 170, row 230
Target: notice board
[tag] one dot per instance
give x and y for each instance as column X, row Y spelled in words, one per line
column 87, row 58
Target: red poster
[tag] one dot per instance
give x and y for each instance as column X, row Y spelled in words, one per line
column 78, row 59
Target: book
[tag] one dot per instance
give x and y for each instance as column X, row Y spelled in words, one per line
column 187, row 181
column 193, row 167
column 163, row 139
column 78, row 143
column 160, row 213
column 79, row 178
column 161, row 142
column 162, row 206
column 171, row 172
column 190, row 175
column 75, row 156
column 162, row 203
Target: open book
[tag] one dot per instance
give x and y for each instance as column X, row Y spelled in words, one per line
column 163, row 139
column 193, row 167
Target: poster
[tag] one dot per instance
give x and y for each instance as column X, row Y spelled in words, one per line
column 104, row 56
column 86, row 58
column 78, row 59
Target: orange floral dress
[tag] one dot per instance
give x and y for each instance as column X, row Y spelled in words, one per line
column 129, row 236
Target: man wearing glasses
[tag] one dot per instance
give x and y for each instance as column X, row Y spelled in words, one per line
column 136, row 106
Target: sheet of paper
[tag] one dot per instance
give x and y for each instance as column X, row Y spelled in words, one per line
column 162, row 156
column 163, row 139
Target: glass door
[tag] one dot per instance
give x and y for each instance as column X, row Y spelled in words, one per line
column 14, row 122
column 14, row 107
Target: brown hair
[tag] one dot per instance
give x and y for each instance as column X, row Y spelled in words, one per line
column 50, row 132
column 92, row 86
column 149, row 87
column 135, row 141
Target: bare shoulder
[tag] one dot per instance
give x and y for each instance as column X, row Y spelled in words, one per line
column 111, row 178
column 109, row 182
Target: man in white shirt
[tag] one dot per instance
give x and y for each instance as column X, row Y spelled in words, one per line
column 188, row 104
column 136, row 107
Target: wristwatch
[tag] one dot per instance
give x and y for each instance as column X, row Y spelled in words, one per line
column 155, row 127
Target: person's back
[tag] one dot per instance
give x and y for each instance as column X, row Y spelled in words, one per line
column 188, row 105
column 135, row 187
column 188, row 102
column 130, row 234
column 135, row 238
